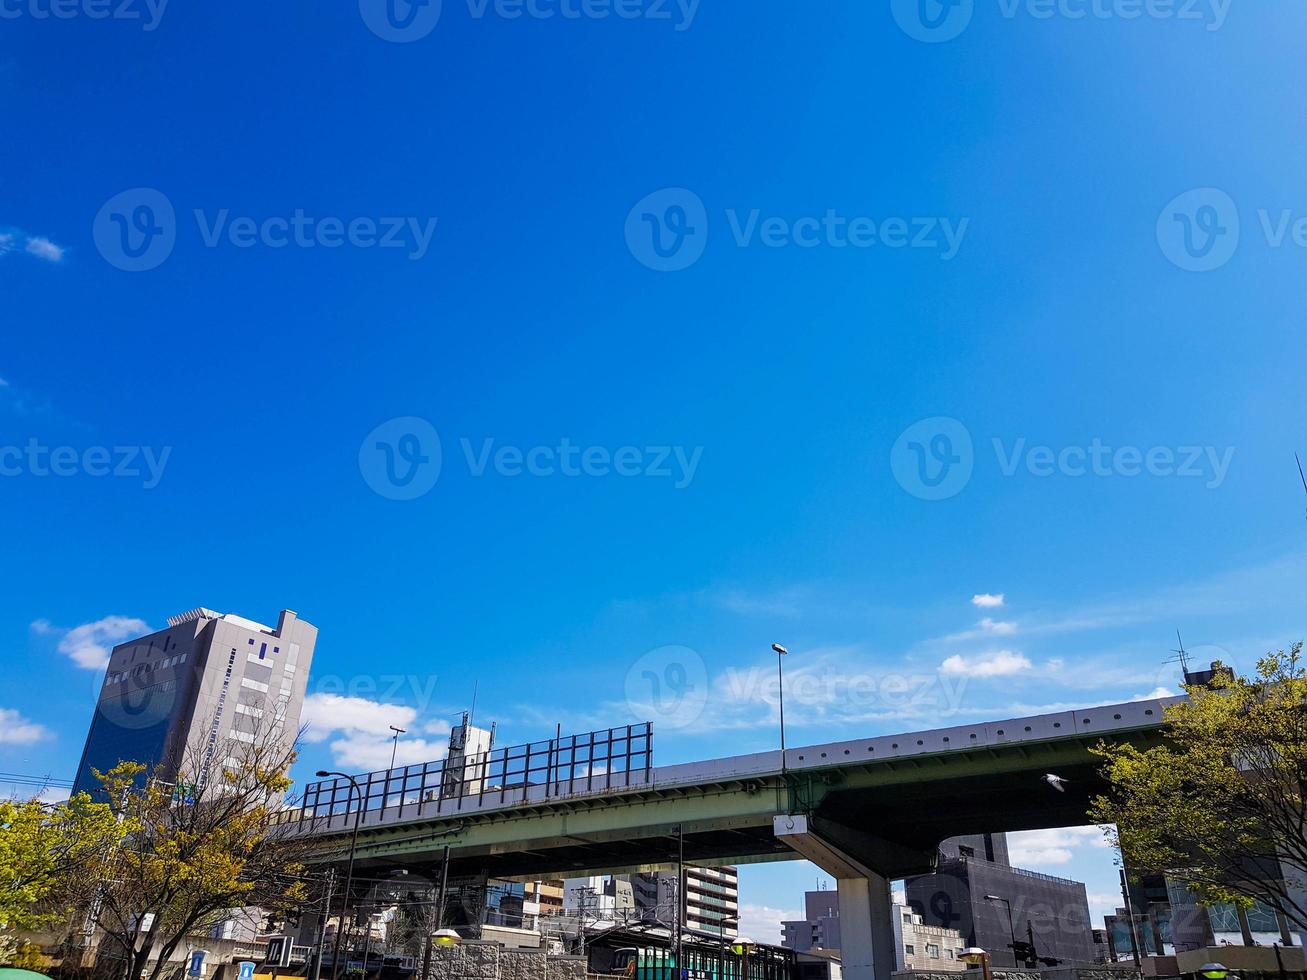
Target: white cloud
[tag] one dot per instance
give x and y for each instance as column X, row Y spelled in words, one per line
column 43, row 248
column 1157, row 692
column 1000, row 663
column 363, row 739
column 89, row 645
column 762, row 923
column 1101, row 904
column 1034, row 849
column 37, row 246
column 987, row 600
column 17, row 730
column 997, row 627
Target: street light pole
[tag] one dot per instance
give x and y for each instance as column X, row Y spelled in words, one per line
column 395, row 746
column 349, row 867
column 780, row 699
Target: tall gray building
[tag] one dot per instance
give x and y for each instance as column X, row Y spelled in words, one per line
column 207, row 684
column 994, row 905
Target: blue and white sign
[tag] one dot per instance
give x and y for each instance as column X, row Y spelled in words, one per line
column 245, row 970
column 197, row 966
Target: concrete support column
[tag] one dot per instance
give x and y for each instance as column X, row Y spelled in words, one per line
column 863, row 865
column 866, row 928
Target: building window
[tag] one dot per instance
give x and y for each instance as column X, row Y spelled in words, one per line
column 910, row 949
column 966, row 852
column 932, row 951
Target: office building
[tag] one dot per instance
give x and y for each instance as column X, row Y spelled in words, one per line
column 820, row 927
column 197, row 691
column 994, row 905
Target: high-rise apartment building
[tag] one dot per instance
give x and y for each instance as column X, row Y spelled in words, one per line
column 712, row 898
column 197, row 691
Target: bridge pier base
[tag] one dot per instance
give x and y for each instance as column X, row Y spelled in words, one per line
column 866, row 928
column 863, row 865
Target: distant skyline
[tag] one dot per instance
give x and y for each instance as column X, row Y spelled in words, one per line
column 577, row 359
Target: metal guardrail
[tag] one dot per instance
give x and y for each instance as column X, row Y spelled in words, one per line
column 591, row 762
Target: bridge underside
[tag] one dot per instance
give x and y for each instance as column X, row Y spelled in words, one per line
column 906, row 806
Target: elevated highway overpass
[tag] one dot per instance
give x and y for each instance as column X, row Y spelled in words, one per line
column 865, row 810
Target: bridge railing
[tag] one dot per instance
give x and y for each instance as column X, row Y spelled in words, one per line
column 535, row 772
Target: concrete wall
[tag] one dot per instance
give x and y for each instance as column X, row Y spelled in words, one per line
column 490, row 961
column 1060, row 973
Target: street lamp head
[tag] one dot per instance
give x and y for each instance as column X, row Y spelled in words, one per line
column 779, row 649
column 992, row 898
column 446, row 937
column 323, row 774
column 1214, row 971
column 974, row 956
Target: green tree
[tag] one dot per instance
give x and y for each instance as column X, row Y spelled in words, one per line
column 1220, row 804
column 44, row 848
column 196, row 847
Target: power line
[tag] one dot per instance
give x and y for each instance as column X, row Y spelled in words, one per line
column 24, row 779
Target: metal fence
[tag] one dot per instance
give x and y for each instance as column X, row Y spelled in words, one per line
column 591, row 762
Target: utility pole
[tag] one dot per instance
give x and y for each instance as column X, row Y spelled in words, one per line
column 322, row 926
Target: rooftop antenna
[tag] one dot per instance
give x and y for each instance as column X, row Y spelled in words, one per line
column 476, row 684
column 1181, row 657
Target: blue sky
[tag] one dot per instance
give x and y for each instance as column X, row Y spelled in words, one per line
column 703, row 327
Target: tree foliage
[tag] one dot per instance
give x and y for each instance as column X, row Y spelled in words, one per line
column 1220, row 805
column 42, row 848
column 195, row 847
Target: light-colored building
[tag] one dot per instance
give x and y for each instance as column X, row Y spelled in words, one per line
column 599, row 900
column 919, row 946
column 547, row 895
column 712, row 898
column 205, row 686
